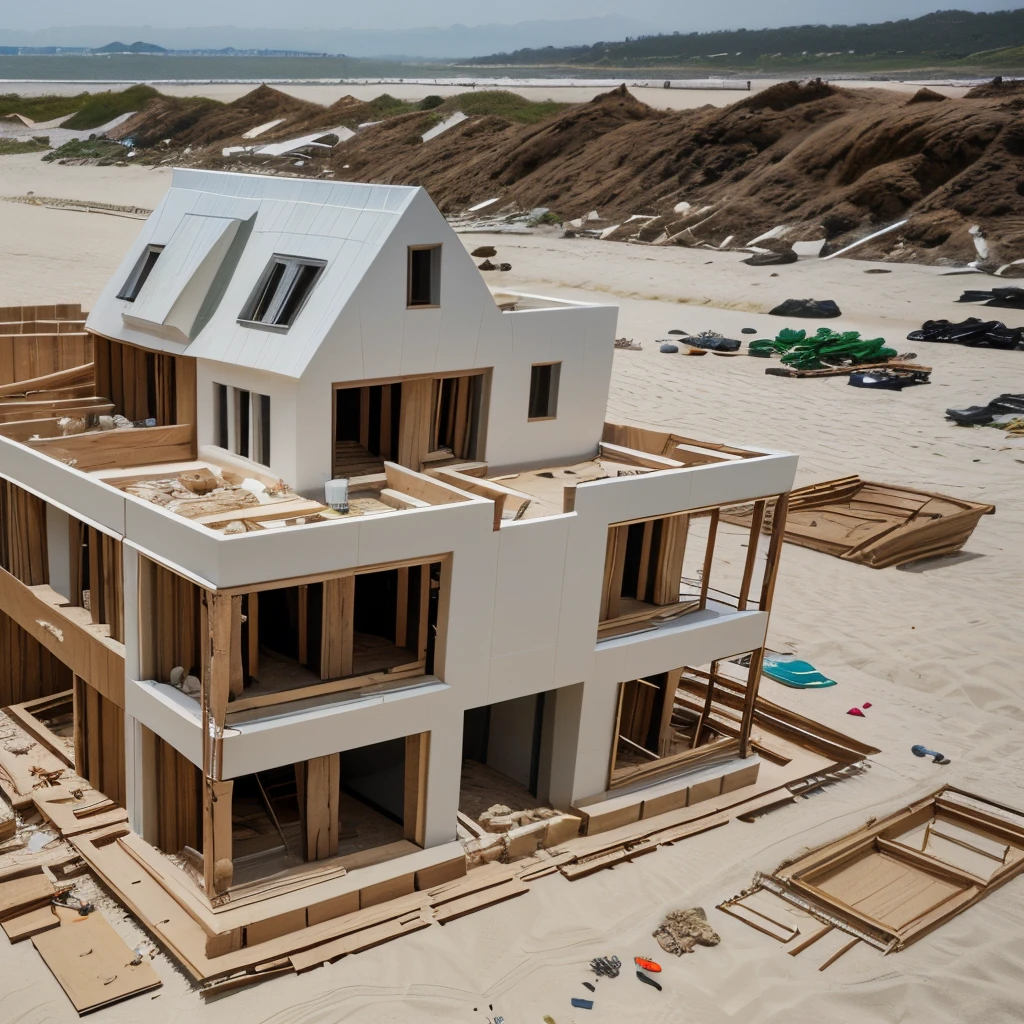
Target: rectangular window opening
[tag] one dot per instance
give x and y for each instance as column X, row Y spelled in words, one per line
column 140, row 273
column 544, row 391
column 242, row 422
column 282, row 291
column 424, row 276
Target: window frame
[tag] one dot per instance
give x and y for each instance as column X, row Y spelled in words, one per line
column 137, row 279
column 435, row 281
column 554, row 382
column 242, row 422
column 279, row 299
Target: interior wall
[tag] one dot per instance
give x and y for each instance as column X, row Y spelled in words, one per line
column 58, row 550
column 511, row 748
column 376, row 774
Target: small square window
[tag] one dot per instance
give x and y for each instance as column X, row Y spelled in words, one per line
column 424, row 275
column 140, row 272
column 544, row 391
column 282, row 291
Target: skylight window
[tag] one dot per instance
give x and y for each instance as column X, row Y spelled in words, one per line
column 140, row 272
column 282, row 291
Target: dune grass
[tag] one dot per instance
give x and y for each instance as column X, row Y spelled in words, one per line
column 11, row 147
column 500, row 103
column 90, row 109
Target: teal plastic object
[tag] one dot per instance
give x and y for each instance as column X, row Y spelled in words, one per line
column 792, row 672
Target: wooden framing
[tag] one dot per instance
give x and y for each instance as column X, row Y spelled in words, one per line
column 643, row 723
column 417, row 758
column 318, row 781
column 874, row 524
column 23, row 551
column 880, row 885
column 99, row 741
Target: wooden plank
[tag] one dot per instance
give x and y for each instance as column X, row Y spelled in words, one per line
column 121, row 448
column 838, row 953
column 357, row 941
column 34, row 922
column 93, row 964
column 20, row 895
column 40, row 733
column 457, row 908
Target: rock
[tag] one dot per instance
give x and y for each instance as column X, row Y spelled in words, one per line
column 748, row 330
column 877, row 270
column 482, row 252
column 487, row 265
column 668, row 348
column 675, row 330
column 504, row 266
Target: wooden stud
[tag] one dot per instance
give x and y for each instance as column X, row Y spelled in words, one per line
column 236, row 682
column 303, row 639
column 402, row 612
column 709, row 556
column 708, row 701
column 750, row 700
column 672, row 677
column 669, row 569
column 751, row 561
column 253, row 624
column 771, row 569
column 319, row 802
column 417, row 757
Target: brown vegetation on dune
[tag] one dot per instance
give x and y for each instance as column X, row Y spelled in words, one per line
column 814, row 159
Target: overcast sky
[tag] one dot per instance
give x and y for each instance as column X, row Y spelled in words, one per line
column 664, row 15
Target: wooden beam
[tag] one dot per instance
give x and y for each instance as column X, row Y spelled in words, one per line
column 771, row 569
column 672, row 677
column 417, row 757
column 669, row 571
column 708, row 701
column 709, row 557
column 748, row 568
column 218, row 866
column 236, row 681
column 319, row 795
column 750, row 700
column 253, row 623
column 337, row 634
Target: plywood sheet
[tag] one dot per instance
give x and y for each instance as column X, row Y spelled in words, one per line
column 24, row 926
column 92, row 963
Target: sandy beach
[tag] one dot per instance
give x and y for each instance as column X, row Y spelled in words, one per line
column 315, row 92
column 935, row 647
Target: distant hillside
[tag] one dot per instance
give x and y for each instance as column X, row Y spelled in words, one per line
column 942, row 37
column 138, row 47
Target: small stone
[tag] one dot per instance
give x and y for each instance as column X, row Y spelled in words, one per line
column 668, row 348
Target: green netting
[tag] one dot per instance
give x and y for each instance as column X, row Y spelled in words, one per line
column 823, row 349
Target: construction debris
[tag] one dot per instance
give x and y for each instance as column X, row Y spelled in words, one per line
column 875, row 524
column 1005, row 406
column 893, row 881
column 823, row 350
column 1004, row 298
column 683, row 930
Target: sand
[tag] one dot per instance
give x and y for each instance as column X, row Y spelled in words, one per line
column 935, row 647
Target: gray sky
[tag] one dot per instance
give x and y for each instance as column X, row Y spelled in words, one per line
column 663, row 15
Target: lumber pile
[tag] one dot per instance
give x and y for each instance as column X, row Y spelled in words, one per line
column 874, row 524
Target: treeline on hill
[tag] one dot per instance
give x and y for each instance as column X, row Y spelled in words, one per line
column 946, row 35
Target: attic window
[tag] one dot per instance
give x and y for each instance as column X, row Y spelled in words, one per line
column 424, row 275
column 140, row 272
column 282, row 291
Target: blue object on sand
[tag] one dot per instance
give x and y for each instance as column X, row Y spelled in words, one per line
column 583, row 1004
column 920, row 750
column 793, row 672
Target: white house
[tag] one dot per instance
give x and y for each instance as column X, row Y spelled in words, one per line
column 505, row 607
